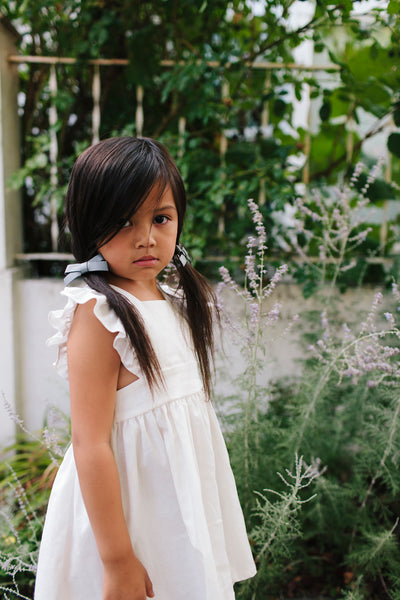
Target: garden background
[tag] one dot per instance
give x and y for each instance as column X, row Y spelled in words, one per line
column 292, row 104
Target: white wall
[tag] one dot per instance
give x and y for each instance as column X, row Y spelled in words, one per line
column 39, row 384
column 9, row 359
column 42, row 387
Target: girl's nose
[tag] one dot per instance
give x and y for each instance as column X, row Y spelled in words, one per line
column 144, row 237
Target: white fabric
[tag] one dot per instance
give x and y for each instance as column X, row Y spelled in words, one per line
column 179, row 495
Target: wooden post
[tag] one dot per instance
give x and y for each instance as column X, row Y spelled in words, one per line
column 307, row 144
column 10, row 234
column 96, row 113
column 139, row 110
column 181, row 138
column 264, row 132
column 54, row 229
column 223, row 147
column 383, row 234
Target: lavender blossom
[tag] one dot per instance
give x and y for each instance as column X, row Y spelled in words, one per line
column 348, row 335
column 51, row 441
column 396, row 292
column 254, row 293
column 373, row 175
column 275, row 313
column 358, row 169
column 252, row 275
column 254, row 312
column 351, row 265
column 276, row 278
column 369, row 323
column 227, row 279
column 258, row 222
column 325, row 324
column 338, row 217
column 390, row 319
column 11, row 412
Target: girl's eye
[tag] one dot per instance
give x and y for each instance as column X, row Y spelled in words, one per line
column 126, row 224
column 161, row 219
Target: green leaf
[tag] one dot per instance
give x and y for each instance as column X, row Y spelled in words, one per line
column 393, row 7
column 325, row 111
column 396, row 115
column 374, row 51
column 393, row 144
column 279, row 107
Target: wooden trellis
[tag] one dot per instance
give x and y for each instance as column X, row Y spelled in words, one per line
column 96, row 65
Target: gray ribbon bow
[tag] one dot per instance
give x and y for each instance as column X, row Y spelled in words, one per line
column 181, row 255
column 97, row 263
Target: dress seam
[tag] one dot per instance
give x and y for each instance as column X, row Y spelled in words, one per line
column 185, row 397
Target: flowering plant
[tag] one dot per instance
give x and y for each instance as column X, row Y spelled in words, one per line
column 27, row 471
column 330, row 523
column 333, row 236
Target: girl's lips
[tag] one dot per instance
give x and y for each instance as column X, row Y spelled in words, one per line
column 146, row 260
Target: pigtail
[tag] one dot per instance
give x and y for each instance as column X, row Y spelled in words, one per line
column 199, row 307
column 108, row 183
column 134, row 327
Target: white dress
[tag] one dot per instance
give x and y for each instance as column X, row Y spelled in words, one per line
column 179, row 495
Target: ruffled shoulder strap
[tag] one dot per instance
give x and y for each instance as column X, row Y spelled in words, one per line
column 61, row 320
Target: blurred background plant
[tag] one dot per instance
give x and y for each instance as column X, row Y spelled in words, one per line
column 254, row 99
column 334, row 238
column 329, row 528
column 27, row 471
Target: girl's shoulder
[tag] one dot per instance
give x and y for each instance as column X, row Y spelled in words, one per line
column 90, row 300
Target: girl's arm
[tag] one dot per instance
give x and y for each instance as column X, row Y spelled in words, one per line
column 93, row 367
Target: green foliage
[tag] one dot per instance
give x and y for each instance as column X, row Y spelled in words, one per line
column 27, row 471
column 334, row 232
column 337, row 538
column 208, row 47
column 394, row 143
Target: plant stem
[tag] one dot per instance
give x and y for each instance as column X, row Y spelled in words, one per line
column 393, row 429
column 325, row 377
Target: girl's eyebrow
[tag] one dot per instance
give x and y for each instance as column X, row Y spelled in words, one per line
column 166, row 207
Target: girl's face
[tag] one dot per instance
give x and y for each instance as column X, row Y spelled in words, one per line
column 144, row 246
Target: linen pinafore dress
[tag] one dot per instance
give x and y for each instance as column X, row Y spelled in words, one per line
column 179, row 495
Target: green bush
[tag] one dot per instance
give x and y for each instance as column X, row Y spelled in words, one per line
column 27, row 471
column 316, row 458
column 210, row 83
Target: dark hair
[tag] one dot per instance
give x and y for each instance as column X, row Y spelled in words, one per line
column 108, row 183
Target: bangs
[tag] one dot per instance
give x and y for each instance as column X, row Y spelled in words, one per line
column 159, row 186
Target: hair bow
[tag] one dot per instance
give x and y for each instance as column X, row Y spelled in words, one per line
column 97, row 263
column 181, row 255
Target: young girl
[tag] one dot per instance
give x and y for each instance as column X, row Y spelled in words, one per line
column 144, row 503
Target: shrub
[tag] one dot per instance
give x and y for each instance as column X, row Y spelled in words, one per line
column 27, row 471
column 330, row 525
